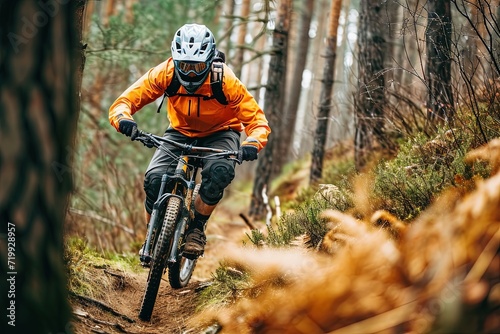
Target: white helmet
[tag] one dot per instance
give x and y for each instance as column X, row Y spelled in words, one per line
column 193, row 50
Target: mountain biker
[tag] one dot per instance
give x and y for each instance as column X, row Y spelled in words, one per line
column 196, row 117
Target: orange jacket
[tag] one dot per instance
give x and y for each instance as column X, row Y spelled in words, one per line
column 193, row 116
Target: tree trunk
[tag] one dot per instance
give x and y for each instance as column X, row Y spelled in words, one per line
column 37, row 126
column 110, row 11
column 326, row 94
column 395, row 15
column 225, row 35
column 242, row 32
column 370, row 101
column 438, row 71
column 306, row 116
column 129, row 11
column 341, row 112
column 87, row 19
column 253, row 70
column 293, row 96
column 479, row 60
column 273, row 106
column 413, row 35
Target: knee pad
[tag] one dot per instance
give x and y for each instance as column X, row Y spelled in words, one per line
column 214, row 180
column 152, row 183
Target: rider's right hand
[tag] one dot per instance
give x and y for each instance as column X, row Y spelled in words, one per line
column 128, row 128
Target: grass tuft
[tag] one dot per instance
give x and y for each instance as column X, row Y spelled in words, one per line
column 228, row 284
column 84, row 267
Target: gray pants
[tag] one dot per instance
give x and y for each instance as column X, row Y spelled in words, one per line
column 216, row 174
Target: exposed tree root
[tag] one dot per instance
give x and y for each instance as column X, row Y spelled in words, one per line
column 102, row 306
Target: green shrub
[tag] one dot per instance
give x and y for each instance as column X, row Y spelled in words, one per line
column 227, row 285
column 423, row 168
column 334, row 192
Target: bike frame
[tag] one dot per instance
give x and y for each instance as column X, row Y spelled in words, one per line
column 183, row 179
column 184, row 182
column 166, row 226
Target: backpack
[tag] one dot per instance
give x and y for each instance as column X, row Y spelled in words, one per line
column 216, row 80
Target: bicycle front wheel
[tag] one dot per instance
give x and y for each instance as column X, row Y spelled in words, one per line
column 179, row 273
column 160, row 254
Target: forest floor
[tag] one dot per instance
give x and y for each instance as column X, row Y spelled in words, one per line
column 119, row 310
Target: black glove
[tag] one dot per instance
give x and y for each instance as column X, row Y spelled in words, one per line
column 128, row 128
column 248, row 153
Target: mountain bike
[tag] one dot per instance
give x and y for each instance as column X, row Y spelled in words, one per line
column 172, row 212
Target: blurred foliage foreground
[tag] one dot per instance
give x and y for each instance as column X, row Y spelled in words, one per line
column 411, row 247
column 358, row 268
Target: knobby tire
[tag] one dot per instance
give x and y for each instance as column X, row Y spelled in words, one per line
column 179, row 273
column 160, row 255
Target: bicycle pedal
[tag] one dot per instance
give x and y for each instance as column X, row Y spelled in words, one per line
column 145, row 260
column 192, row 256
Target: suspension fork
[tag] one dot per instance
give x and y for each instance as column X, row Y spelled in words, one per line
column 181, row 171
column 189, row 178
column 182, row 167
column 153, row 220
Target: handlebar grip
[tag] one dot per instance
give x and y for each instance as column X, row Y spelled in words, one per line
column 135, row 133
column 239, row 157
column 139, row 133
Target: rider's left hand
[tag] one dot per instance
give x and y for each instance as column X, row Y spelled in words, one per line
column 248, row 152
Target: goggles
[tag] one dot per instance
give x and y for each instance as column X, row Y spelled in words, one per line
column 187, row 67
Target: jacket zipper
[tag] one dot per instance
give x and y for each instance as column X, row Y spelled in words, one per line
column 198, row 111
column 189, row 107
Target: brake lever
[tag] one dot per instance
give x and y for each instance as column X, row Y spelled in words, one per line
column 236, row 156
column 148, row 143
column 144, row 138
column 238, row 161
column 139, row 135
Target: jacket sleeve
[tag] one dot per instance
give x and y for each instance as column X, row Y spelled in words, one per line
column 147, row 89
column 247, row 111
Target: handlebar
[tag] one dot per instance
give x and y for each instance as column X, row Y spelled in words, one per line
column 151, row 140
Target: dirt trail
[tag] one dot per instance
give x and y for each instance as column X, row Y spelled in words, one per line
column 173, row 308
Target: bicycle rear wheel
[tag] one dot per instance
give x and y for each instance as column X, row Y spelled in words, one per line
column 160, row 255
column 180, row 272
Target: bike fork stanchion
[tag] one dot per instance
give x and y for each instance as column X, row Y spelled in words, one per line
column 153, row 222
column 177, row 236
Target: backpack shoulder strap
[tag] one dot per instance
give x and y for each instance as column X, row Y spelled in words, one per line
column 171, row 90
column 174, row 86
column 216, row 82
